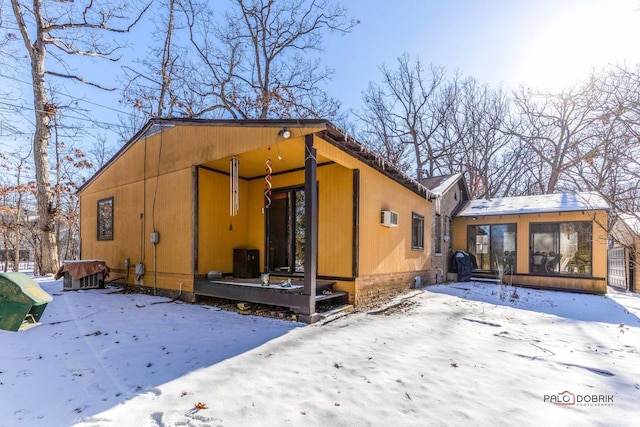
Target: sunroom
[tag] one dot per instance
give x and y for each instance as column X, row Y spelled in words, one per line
column 556, row 241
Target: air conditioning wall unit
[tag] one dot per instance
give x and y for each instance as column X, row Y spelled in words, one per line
column 388, row 218
column 93, row 281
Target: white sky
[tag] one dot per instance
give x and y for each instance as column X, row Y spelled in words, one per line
column 463, row 354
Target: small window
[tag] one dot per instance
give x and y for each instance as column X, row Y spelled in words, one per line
column 417, row 232
column 437, row 234
column 105, row 219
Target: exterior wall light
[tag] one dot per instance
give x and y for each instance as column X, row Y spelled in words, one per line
column 285, row 133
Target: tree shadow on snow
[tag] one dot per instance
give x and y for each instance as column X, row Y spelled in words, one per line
column 110, row 347
column 615, row 308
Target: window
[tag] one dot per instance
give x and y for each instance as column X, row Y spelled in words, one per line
column 561, row 248
column 494, row 246
column 437, row 234
column 417, row 232
column 105, row 219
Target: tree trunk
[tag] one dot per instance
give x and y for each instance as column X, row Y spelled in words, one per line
column 46, row 211
column 43, row 113
column 18, row 233
column 6, row 251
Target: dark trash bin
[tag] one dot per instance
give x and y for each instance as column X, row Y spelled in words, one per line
column 22, row 302
column 463, row 265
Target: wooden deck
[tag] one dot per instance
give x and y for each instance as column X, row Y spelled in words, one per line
column 277, row 293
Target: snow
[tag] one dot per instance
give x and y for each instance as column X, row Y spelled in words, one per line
column 632, row 220
column 452, row 354
column 559, row 202
column 443, row 186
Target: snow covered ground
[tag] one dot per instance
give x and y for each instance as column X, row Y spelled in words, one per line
column 457, row 354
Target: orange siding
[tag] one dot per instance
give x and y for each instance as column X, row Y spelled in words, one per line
column 187, row 145
column 128, row 169
column 335, row 221
column 388, row 250
column 167, row 210
column 127, row 227
column 184, row 146
column 335, row 213
column 143, row 204
column 385, row 250
column 169, row 213
column 218, row 232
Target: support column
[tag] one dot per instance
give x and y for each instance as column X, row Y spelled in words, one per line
column 355, row 244
column 194, row 219
column 310, row 224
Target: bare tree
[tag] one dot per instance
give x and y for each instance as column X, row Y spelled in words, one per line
column 69, row 164
column 100, row 152
column 155, row 86
column 478, row 145
column 13, row 196
column 257, row 64
column 379, row 132
column 556, row 129
column 405, row 112
column 9, row 102
column 69, row 28
column 612, row 164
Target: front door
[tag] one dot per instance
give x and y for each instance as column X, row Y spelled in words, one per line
column 285, row 231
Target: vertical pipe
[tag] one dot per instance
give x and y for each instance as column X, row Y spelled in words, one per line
column 310, row 223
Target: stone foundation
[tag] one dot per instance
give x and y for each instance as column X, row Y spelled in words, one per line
column 371, row 291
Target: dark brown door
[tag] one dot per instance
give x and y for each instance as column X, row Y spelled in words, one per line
column 285, row 231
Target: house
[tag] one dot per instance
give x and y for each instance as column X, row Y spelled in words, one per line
column 221, row 208
column 555, row 241
column 625, row 252
column 450, row 193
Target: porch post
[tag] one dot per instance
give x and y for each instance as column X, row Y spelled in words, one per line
column 194, row 220
column 310, row 223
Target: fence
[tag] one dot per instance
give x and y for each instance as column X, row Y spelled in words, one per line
column 24, row 266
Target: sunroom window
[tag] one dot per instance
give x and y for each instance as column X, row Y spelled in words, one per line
column 561, row 248
column 494, row 246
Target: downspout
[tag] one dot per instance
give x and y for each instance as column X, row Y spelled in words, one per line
column 310, row 225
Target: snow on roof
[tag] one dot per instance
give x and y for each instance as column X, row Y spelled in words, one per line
column 632, row 221
column 442, row 183
column 562, row 202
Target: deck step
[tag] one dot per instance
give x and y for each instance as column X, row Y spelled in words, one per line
column 485, row 279
column 332, row 295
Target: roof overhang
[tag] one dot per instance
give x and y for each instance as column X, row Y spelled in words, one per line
column 330, row 133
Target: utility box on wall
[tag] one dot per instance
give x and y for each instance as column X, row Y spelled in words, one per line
column 246, row 263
